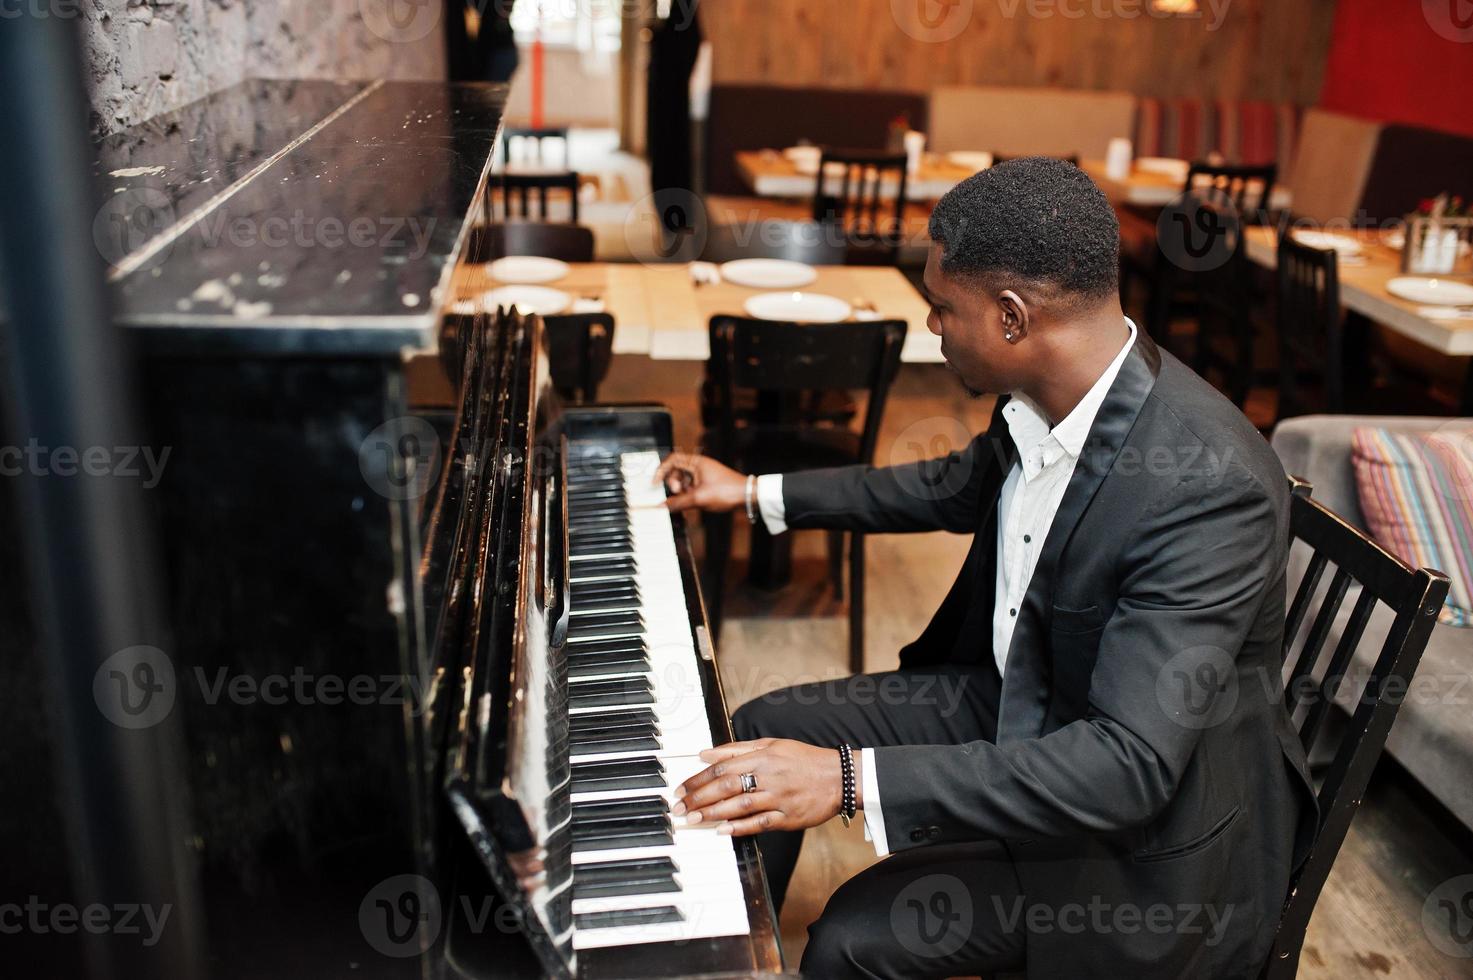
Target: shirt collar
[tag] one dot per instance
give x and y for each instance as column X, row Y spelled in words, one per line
column 1030, row 430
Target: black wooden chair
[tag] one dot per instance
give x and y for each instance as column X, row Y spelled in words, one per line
column 1310, row 328
column 1415, row 596
column 580, row 345
column 527, row 136
column 570, row 243
column 580, row 348
column 1226, row 330
column 1250, row 189
column 519, row 192
column 1240, row 195
column 862, row 194
column 780, row 360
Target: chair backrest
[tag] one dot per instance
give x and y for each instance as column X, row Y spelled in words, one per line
column 1250, row 189
column 528, row 137
column 580, row 349
column 519, row 190
column 1309, row 325
column 766, row 355
column 1225, row 322
column 570, row 243
column 862, row 192
column 1415, row 596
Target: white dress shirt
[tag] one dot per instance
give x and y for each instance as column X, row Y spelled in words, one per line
column 1030, row 498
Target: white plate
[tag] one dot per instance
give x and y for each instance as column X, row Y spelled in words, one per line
column 530, row 300
column 1341, row 244
column 803, row 154
column 1168, row 166
column 527, row 269
column 1432, row 292
column 975, row 162
column 769, row 273
column 798, row 307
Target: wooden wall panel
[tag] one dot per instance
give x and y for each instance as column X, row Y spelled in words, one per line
column 1255, row 49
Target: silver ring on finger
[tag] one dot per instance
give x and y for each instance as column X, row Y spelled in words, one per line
column 749, row 782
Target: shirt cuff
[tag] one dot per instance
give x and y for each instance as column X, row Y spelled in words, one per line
column 770, row 503
column 874, row 820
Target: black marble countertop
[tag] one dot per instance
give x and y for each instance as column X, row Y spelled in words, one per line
column 296, row 216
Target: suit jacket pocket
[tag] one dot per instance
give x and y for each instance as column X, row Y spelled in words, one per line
column 1195, row 844
column 1076, row 621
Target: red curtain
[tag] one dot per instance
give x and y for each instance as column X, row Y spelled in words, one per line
column 1403, row 61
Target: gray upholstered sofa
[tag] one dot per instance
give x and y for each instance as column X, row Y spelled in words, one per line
column 1433, row 734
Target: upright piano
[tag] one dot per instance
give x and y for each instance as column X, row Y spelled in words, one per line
column 436, row 669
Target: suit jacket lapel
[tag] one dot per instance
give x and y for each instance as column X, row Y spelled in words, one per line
column 1026, row 681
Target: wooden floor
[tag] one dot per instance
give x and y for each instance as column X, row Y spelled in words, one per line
column 1368, row 923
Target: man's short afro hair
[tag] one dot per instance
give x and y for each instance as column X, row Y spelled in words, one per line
column 1037, row 218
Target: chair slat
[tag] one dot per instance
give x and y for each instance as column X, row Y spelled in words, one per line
column 1335, row 671
column 1307, row 587
column 1318, row 632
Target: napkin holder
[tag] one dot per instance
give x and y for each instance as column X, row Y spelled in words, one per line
column 1437, row 246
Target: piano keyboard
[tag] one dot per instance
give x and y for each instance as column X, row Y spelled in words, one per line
column 637, row 721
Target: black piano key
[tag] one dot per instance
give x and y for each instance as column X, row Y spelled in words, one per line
column 603, row 668
column 616, row 729
column 637, row 806
column 600, row 693
column 650, row 885
column 643, row 773
column 615, row 829
column 634, row 743
column 630, row 917
column 625, row 868
column 611, row 618
column 628, row 838
column 623, row 646
column 638, row 730
column 598, row 720
column 603, row 568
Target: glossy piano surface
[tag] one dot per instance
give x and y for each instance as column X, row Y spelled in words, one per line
column 288, row 216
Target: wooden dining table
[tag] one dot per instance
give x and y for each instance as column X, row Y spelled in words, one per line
column 663, row 311
column 770, row 174
column 1151, row 189
column 1363, row 291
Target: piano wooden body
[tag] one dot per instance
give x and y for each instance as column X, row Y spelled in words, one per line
column 371, row 605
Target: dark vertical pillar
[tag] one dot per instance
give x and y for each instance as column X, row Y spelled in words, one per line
column 88, row 546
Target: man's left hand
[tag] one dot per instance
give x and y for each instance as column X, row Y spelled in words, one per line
column 798, row 786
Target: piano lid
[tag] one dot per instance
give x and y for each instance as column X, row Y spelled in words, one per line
column 296, row 216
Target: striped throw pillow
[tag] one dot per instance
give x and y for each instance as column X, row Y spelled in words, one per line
column 1416, row 491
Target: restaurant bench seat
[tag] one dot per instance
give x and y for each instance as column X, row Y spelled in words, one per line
column 1412, row 163
column 1249, row 133
column 1329, row 173
column 755, row 117
column 1433, row 735
column 1016, row 121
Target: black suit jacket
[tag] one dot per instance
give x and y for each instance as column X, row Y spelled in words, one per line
column 1143, row 772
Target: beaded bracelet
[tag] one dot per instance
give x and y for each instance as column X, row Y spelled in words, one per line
column 848, row 803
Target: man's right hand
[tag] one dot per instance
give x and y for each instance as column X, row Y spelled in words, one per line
column 699, row 483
